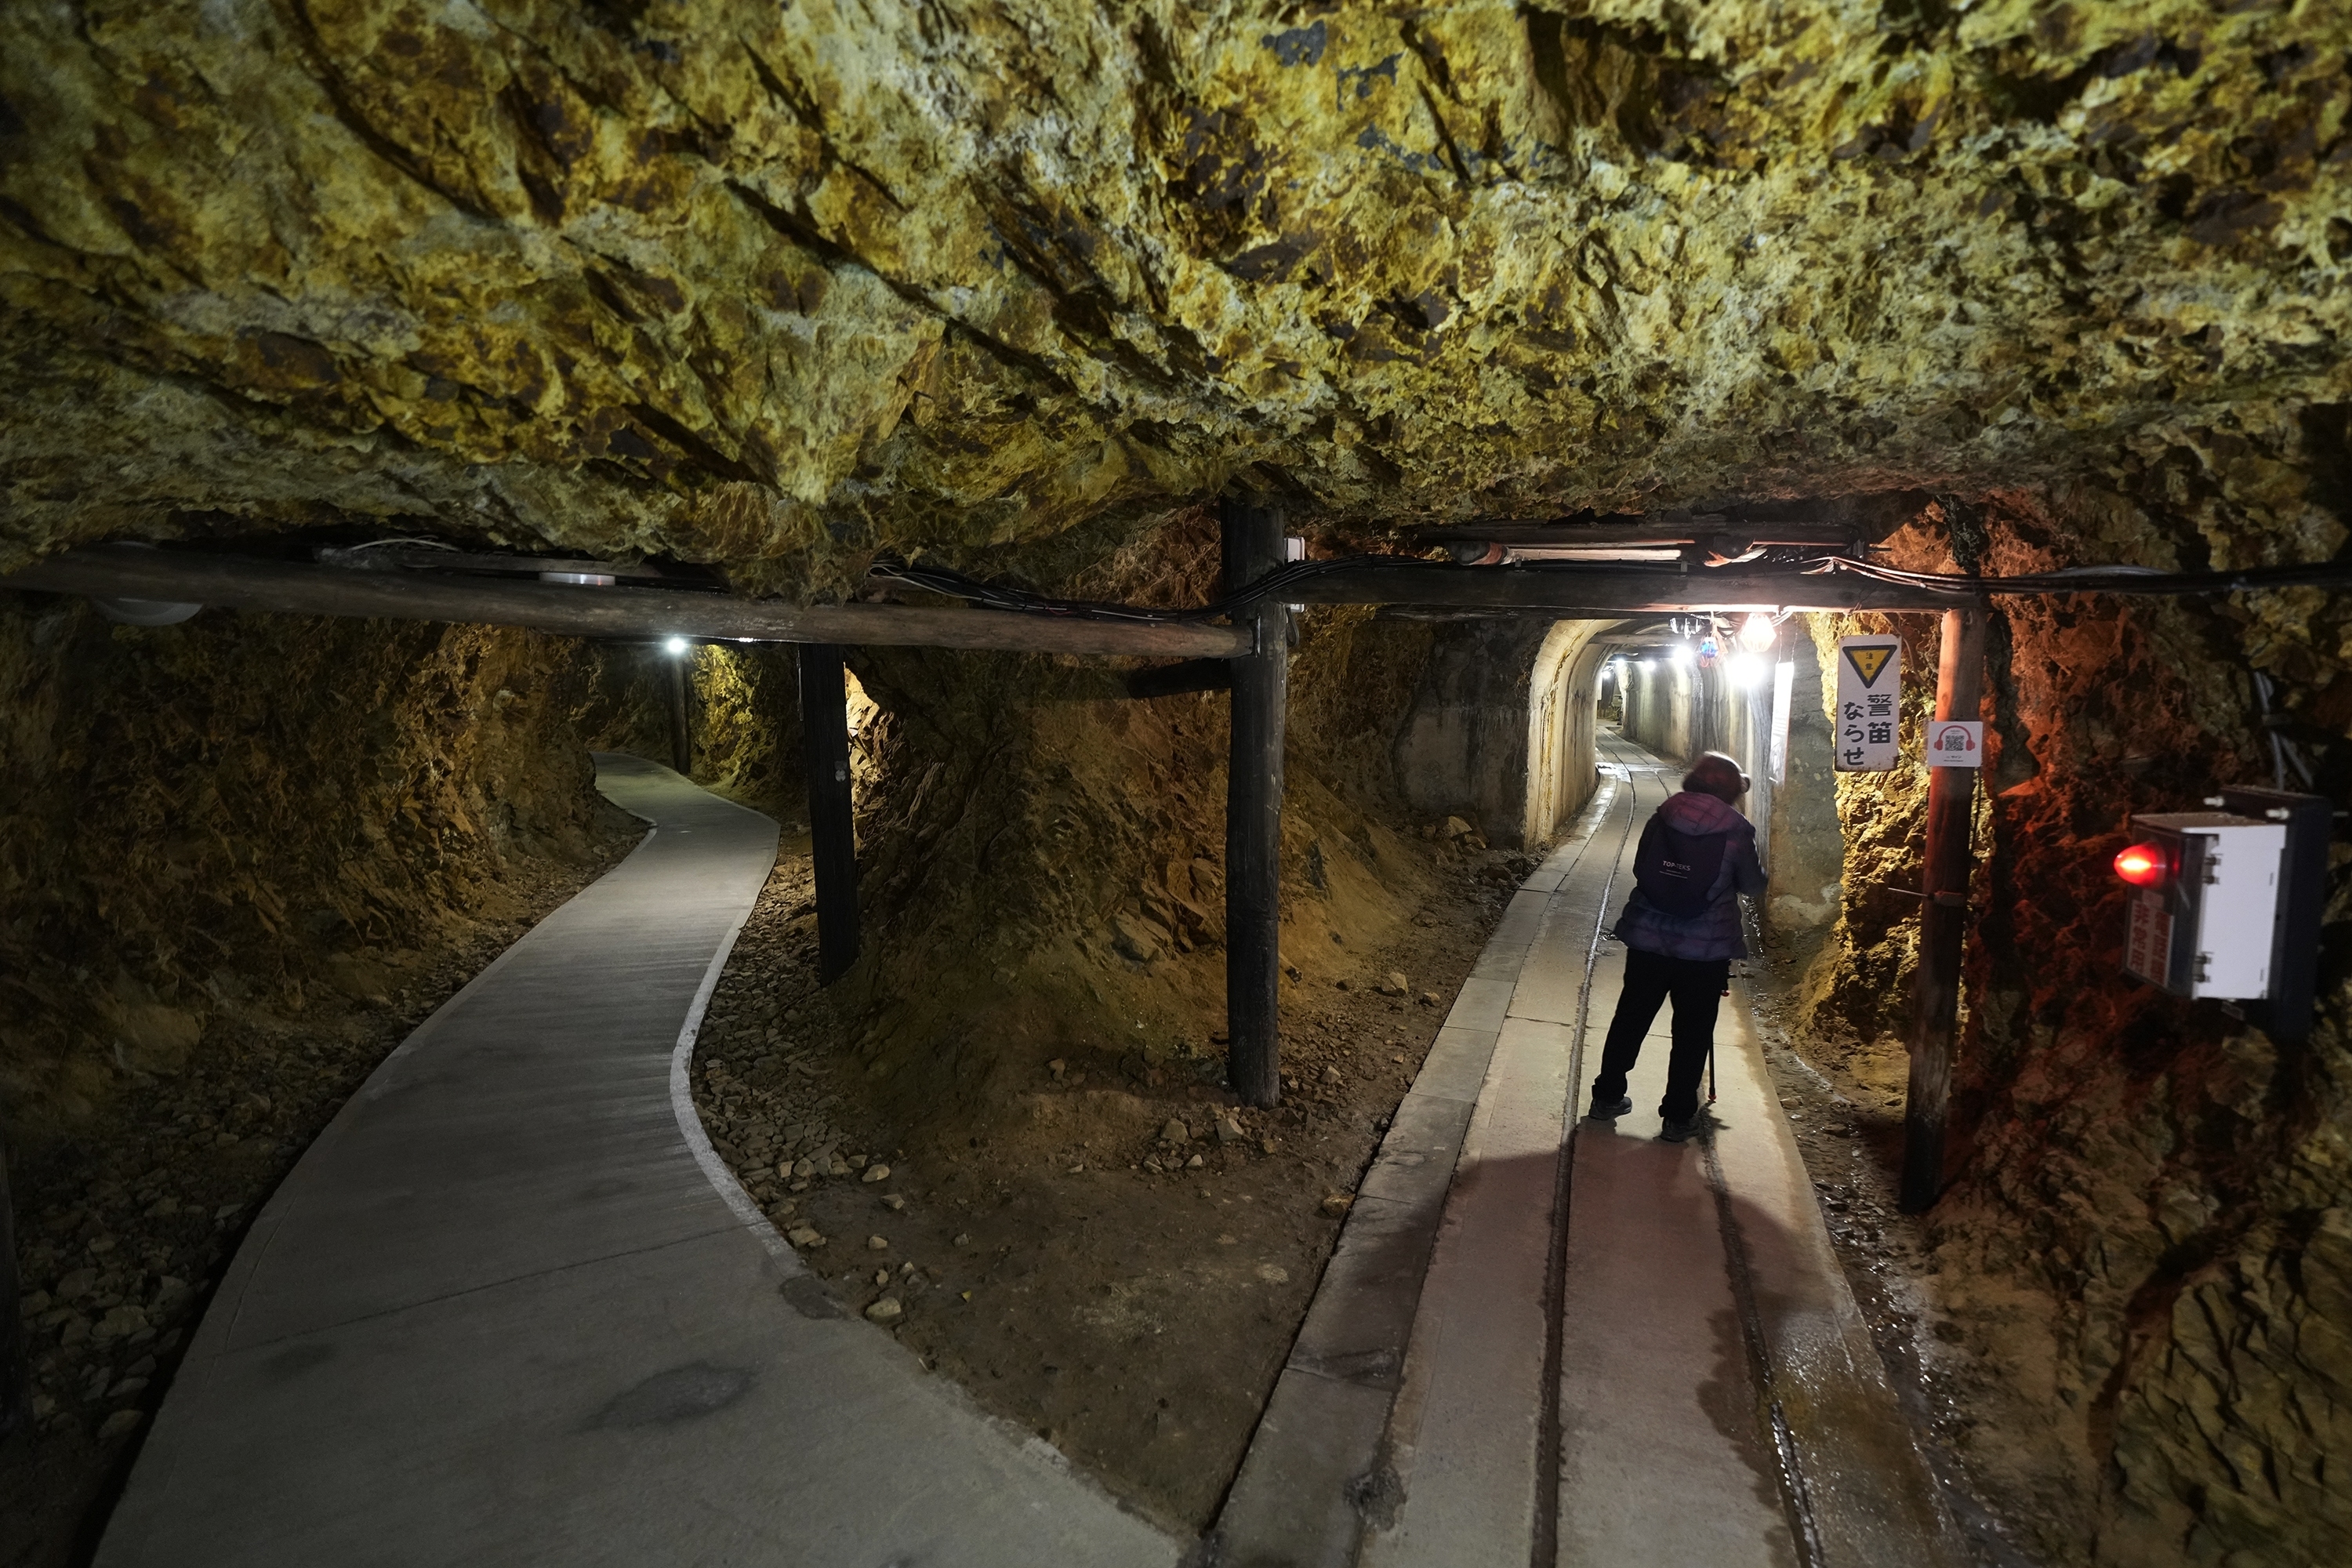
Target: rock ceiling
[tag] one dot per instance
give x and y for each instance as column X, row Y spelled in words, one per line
column 787, row 282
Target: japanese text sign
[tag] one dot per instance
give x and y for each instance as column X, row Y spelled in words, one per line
column 1869, row 703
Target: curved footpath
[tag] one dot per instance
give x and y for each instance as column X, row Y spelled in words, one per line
column 511, row 1309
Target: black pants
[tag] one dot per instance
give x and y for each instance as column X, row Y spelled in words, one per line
column 1696, row 985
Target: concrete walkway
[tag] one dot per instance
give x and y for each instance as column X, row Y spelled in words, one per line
column 511, row 1309
column 1545, row 1341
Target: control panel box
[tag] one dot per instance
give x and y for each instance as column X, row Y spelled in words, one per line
column 2205, row 910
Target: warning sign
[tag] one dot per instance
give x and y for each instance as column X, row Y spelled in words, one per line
column 1867, row 658
column 1869, row 699
column 1955, row 743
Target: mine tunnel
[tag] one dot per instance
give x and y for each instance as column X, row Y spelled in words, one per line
column 805, row 787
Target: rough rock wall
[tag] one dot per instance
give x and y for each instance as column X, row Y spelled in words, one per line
column 779, row 285
column 2175, row 1187
column 251, row 807
column 1048, row 855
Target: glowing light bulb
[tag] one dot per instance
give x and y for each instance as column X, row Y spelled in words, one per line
column 1756, row 633
column 1748, row 670
column 675, row 645
column 2144, row 866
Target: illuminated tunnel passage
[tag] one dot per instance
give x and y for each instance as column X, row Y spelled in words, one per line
column 1180, row 517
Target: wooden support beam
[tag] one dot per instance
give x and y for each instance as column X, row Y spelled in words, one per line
column 681, row 713
column 1944, row 883
column 16, row 1349
column 293, row 589
column 1253, row 547
column 832, row 831
column 1600, row 592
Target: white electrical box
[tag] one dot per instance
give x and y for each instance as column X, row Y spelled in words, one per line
column 2205, row 904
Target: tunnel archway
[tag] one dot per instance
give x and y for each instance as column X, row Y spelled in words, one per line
column 1563, row 696
column 1503, row 727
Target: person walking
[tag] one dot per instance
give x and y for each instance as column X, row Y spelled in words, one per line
column 1681, row 930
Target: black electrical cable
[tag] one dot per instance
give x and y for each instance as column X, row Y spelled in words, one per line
column 2119, row 579
column 956, row 585
column 1275, row 585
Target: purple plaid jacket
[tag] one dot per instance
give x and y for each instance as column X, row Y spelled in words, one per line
column 1717, row 934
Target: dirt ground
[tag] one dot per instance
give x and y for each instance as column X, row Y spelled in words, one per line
column 1960, row 1348
column 124, row 1229
column 1117, row 1261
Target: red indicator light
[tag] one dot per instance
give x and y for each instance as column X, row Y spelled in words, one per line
column 2144, row 866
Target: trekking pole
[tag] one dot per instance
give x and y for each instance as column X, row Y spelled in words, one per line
column 1710, row 1055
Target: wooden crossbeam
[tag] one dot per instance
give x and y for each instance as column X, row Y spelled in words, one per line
column 293, row 589
column 1599, row 592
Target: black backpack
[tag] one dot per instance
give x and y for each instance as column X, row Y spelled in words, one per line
column 1676, row 871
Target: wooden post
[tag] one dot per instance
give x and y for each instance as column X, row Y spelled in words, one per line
column 1253, row 547
column 682, row 721
column 15, row 1356
column 1944, row 881
column 833, row 832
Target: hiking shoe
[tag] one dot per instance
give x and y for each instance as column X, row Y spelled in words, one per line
column 1600, row 1112
column 1684, row 1131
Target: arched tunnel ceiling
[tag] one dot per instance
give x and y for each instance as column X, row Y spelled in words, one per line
column 788, row 282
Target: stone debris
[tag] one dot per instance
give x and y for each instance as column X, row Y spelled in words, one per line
column 1395, row 985
column 885, row 1311
column 1175, row 1132
column 878, row 1244
column 804, row 1236
column 1194, row 1164
column 1429, row 998
column 1137, row 938
column 1337, row 1204
column 1274, row 1273
column 893, row 1202
column 122, row 1424
column 1229, row 1131
column 120, row 1323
